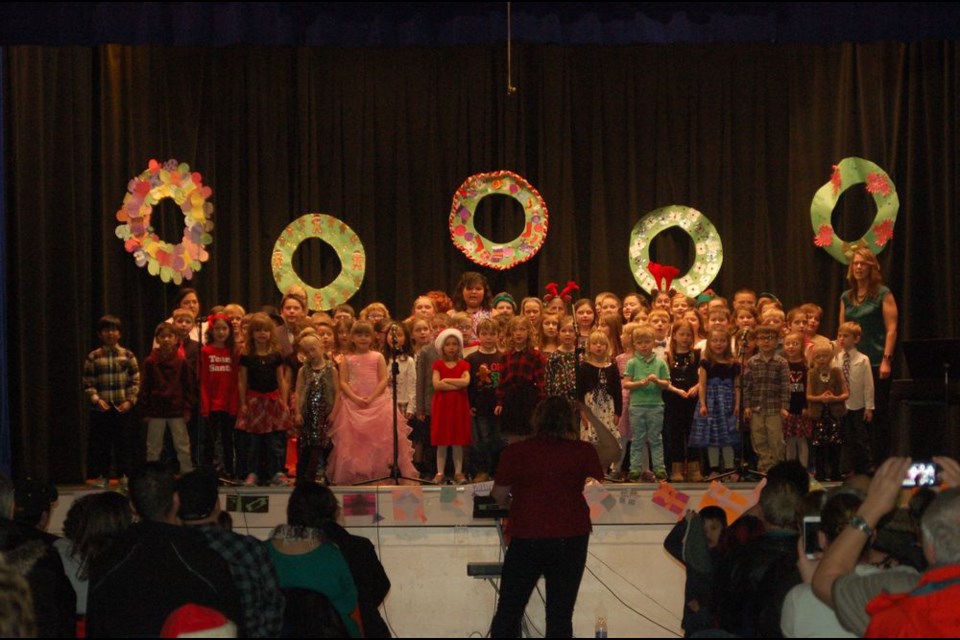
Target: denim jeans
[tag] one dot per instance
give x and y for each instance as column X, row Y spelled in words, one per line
column 646, row 424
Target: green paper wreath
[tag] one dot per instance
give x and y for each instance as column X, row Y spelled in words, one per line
column 848, row 172
column 169, row 180
column 344, row 241
column 709, row 248
column 483, row 251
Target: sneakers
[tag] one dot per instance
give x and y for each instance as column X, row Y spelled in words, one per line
column 614, row 476
column 633, row 476
column 251, row 480
column 660, row 474
column 460, row 479
column 438, row 479
column 648, row 476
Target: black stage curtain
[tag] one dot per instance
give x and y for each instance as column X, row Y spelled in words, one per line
column 382, row 138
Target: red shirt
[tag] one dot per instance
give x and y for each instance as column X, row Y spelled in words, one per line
column 546, row 477
column 218, row 380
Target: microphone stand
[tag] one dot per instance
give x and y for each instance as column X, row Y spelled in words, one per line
column 394, row 474
column 742, row 469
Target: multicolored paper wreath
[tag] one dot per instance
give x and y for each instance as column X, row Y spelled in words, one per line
column 483, row 251
column 168, row 180
column 849, row 172
column 344, row 241
column 706, row 240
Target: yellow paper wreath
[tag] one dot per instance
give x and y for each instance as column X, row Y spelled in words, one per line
column 344, row 241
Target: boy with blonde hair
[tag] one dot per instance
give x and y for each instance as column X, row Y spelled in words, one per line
column 855, row 450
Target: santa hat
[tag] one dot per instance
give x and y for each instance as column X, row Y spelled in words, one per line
column 446, row 333
column 195, row 621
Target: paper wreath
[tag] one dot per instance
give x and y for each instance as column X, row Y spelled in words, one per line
column 483, row 251
column 169, row 180
column 709, row 248
column 336, row 234
column 848, row 172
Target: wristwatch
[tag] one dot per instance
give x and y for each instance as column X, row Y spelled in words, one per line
column 860, row 524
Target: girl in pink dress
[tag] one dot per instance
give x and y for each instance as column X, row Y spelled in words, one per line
column 362, row 432
column 450, row 424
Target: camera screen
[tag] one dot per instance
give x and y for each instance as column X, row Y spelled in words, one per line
column 921, row 474
column 811, row 541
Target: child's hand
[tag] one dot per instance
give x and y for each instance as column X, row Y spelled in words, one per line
column 805, row 413
column 498, row 410
column 693, row 392
column 784, row 414
column 736, row 410
column 103, row 405
column 297, row 419
column 746, row 413
column 868, row 415
column 124, row 406
column 703, row 411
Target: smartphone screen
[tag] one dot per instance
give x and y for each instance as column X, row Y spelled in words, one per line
column 811, row 541
column 921, row 474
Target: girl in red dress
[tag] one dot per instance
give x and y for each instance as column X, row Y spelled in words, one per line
column 450, row 424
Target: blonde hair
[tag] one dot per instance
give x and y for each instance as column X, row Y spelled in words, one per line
column 659, row 313
column 769, row 313
column 642, row 331
column 852, row 328
column 597, row 336
column 821, row 345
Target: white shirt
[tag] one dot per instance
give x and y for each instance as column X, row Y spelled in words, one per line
column 860, row 382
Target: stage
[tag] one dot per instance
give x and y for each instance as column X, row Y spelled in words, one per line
column 426, row 536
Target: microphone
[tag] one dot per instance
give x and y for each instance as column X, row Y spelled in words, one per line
column 393, row 335
column 745, row 334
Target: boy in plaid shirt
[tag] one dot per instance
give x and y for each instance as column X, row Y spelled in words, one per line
column 111, row 381
column 767, row 398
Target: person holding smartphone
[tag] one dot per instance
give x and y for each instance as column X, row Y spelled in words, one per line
column 897, row 602
column 803, row 615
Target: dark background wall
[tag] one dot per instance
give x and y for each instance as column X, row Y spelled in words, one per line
column 348, row 112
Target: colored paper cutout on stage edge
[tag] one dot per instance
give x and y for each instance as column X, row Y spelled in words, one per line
column 448, row 495
column 345, row 243
column 482, row 250
column 847, row 173
column 408, row 505
column 359, row 504
column 707, row 245
column 755, row 494
column 173, row 180
column 628, row 497
column 668, row 497
column 719, row 495
column 598, row 500
column 482, row 488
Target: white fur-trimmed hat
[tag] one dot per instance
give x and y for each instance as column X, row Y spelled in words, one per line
column 446, row 333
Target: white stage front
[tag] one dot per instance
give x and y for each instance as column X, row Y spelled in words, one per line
column 427, row 536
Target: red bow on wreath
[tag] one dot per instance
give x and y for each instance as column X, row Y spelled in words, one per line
column 663, row 274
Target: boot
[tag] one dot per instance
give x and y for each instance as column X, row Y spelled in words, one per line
column 693, row 472
column 676, row 472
